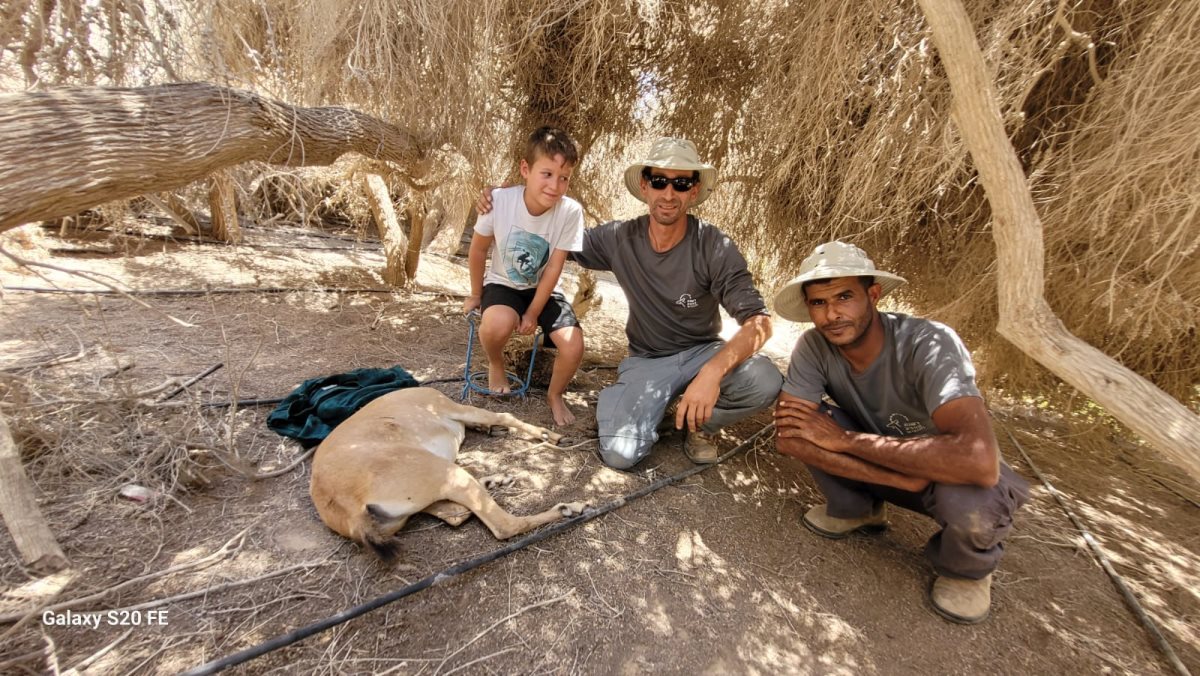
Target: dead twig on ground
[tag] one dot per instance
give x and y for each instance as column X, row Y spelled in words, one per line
column 230, row 548
column 223, row 587
column 136, row 397
column 95, row 279
column 91, row 659
column 56, row 360
column 478, row 660
column 284, row 470
column 192, row 381
column 499, row 622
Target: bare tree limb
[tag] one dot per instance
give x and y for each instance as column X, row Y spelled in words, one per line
column 395, row 243
column 66, row 150
column 1026, row 319
column 39, row 550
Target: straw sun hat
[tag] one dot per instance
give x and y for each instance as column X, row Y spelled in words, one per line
column 830, row 261
column 672, row 153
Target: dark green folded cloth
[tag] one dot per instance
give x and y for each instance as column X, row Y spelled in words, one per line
column 312, row 410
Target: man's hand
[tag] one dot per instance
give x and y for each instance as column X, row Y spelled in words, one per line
column 484, row 204
column 802, row 419
column 470, row 303
column 528, row 324
column 696, row 405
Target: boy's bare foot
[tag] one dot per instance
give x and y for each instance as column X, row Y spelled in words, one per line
column 497, row 379
column 562, row 414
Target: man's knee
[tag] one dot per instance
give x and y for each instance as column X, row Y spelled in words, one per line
column 758, row 383
column 980, row 516
column 622, row 452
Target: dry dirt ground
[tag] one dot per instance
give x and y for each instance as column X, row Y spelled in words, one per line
column 712, row 575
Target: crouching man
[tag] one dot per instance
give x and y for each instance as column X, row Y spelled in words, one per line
column 909, row 426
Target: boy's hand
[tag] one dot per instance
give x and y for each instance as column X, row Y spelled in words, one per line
column 528, row 324
column 470, row 303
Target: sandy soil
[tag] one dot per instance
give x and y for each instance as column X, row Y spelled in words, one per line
column 711, row 575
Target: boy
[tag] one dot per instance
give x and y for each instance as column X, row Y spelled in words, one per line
column 533, row 228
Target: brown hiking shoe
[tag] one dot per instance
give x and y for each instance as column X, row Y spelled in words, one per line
column 961, row 600
column 834, row 528
column 701, row 448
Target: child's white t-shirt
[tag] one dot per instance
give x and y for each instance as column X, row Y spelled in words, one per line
column 524, row 242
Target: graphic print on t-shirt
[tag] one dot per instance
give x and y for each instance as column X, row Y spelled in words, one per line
column 904, row 426
column 525, row 256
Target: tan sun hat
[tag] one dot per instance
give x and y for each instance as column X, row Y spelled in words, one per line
column 672, row 153
column 830, row 261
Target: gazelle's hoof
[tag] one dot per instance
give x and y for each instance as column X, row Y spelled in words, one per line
column 495, row 481
column 572, row 508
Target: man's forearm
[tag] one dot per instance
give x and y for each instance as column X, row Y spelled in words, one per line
column 942, row 458
column 848, row 466
column 749, row 339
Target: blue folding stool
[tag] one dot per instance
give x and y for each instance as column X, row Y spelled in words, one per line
column 477, row 381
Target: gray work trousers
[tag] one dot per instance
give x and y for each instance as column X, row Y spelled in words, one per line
column 974, row 520
column 629, row 411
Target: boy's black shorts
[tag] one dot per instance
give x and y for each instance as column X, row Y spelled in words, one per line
column 558, row 313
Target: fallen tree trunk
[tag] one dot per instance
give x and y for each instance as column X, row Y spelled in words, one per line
column 1026, row 318
column 66, row 150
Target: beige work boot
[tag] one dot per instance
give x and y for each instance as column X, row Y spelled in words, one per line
column 961, row 600
column 818, row 521
column 701, row 448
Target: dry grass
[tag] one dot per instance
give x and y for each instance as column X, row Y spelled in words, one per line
column 827, row 120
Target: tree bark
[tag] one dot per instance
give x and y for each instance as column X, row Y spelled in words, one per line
column 222, row 206
column 39, row 550
column 1026, row 319
column 416, row 232
column 587, row 295
column 66, row 150
column 177, row 210
column 395, row 244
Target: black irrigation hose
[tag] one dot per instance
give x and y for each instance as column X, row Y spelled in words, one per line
column 351, row 613
column 1129, row 597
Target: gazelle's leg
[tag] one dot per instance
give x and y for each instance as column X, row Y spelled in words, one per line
column 472, row 416
column 466, row 491
column 449, row 511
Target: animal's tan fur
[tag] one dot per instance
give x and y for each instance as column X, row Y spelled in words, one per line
column 395, row 458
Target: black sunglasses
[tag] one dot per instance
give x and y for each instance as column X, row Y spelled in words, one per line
column 680, row 183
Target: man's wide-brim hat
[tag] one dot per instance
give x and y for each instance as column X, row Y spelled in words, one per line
column 672, row 153
column 830, row 261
